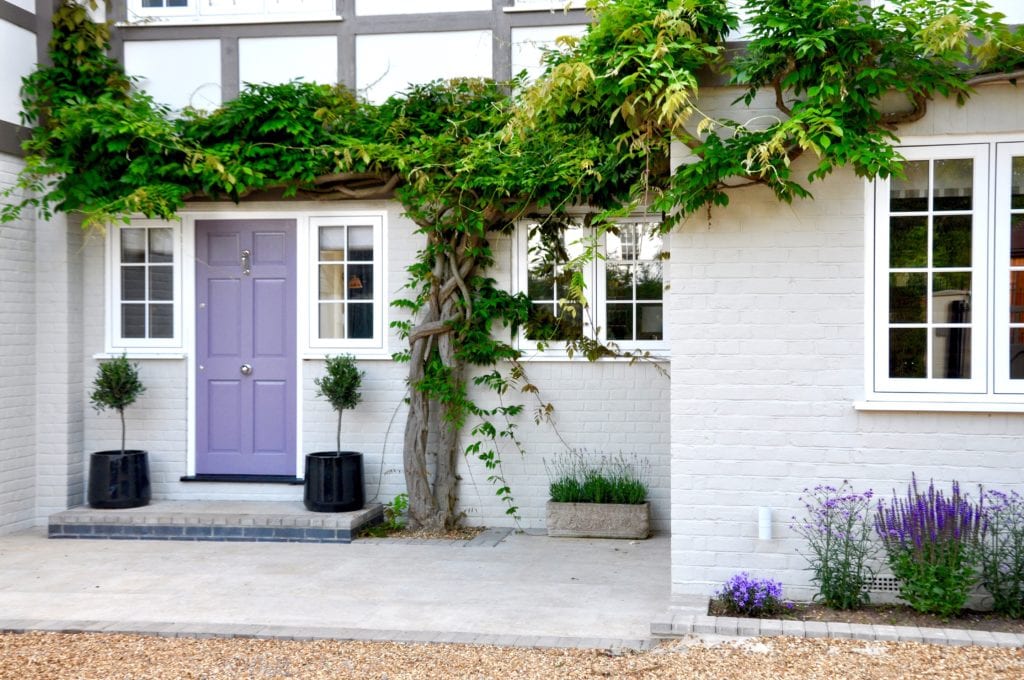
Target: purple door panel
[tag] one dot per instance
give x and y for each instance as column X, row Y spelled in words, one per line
column 245, row 347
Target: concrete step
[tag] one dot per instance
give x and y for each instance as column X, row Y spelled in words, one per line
column 254, row 521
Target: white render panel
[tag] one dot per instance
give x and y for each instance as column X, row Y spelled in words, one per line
column 529, row 45
column 18, row 56
column 177, row 73
column 314, row 59
column 378, row 7
column 389, row 63
column 767, row 305
column 27, row 5
column 18, row 368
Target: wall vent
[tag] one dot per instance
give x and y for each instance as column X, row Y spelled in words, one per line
column 884, row 584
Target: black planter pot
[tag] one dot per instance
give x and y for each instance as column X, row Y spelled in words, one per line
column 118, row 480
column 334, row 483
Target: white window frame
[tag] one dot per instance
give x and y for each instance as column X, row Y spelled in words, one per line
column 314, row 344
column 989, row 389
column 251, row 10
column 595, row 313
column 115, row 342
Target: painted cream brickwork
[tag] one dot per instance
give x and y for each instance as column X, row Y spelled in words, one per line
column 607, row 407
column 768, row 329
column 18, row 367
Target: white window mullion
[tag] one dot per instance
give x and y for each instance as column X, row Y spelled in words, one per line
column 1005, row 297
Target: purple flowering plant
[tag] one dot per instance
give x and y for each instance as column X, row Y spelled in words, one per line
column 743, row 595
column 933, row 545
column 841, row 551
column 1002, row 551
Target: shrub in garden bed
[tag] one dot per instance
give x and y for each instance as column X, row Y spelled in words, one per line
column 838, row 531
column 933, row 546
column 743, row 595
column 1002, row 551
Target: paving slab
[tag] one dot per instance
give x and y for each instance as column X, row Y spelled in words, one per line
column 523, row 586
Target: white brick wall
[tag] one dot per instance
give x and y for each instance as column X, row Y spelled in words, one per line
column 631, row 414
column 767, row 309
column 17, row 370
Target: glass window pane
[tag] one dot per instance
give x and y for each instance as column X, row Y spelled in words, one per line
column 1016, row 297
column 954, row 181
column 649, row 282
column 907, row 297
column 649, row 317
column 910, row 194
column 360, row 320
column 1017, row 353
column 133, row 321
column 552, row 322
column 161, row 321
column 951, row 298
column 650, row 243
column 161, row 283
column 133, row 283
column 161, row 245
column 332, row 320
column 332, row 282
column 1017, row 240
column 360, row 282
column 360, row 243
column 619, row 282
column 951, row 353
column 907, row 350
column 951, row 241
column 620, row 321
column 133, row 245
column 332, row 243
column 908, row 242
column 1017, row 183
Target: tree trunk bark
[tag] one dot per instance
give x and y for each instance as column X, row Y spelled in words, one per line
column 432, row 498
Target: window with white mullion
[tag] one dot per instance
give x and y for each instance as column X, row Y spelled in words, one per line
column 633, row 284
column 1009, row 265
column 145, row 286
column 346, row 300
column 555, row 316
column 931, row 238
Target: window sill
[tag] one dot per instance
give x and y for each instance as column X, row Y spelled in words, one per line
column 140, row 354
column 360, row 355
column 939, row 406
column 552, row 8
column 226, row 20
column 657, row 356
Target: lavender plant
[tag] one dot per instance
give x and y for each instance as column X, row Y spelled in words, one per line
column 933, row 545
column 745, row 596
column 838, row 530
column 1002, row 551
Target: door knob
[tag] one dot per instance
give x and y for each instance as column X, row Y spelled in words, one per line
column 246, row 369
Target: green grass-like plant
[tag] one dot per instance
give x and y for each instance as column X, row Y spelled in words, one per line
column 578, row 477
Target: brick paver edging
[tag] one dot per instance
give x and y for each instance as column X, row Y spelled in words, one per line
column 695, row 624
column 230, row 630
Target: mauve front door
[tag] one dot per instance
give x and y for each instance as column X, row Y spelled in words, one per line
column 245, row 347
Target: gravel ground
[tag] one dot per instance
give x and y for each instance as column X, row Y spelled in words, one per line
column 98, row 656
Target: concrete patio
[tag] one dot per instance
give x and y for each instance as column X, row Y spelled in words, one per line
column 514, row 588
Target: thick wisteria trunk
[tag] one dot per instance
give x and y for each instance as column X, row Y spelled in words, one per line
column 432, row 498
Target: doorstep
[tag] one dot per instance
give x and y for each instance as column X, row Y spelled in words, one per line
column 254, row 521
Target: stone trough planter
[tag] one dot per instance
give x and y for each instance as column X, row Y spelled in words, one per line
column 598, row 520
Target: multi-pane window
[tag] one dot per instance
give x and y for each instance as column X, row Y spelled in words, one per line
column 145, row 285
column 553, row 315
column 634, row 283
column 346, row 296
column 949, row 274
column 189, row 10
column 622, row 284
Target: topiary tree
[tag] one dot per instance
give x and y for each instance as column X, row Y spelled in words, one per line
column 340, row 387
column 116, row 386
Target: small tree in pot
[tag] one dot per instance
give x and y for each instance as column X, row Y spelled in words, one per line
column 118, row 478
column 334, row 479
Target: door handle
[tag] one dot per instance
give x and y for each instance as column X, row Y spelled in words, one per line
column 246, row 369
column 246, row 263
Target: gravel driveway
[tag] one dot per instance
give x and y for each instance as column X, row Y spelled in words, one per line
column 87, row 656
